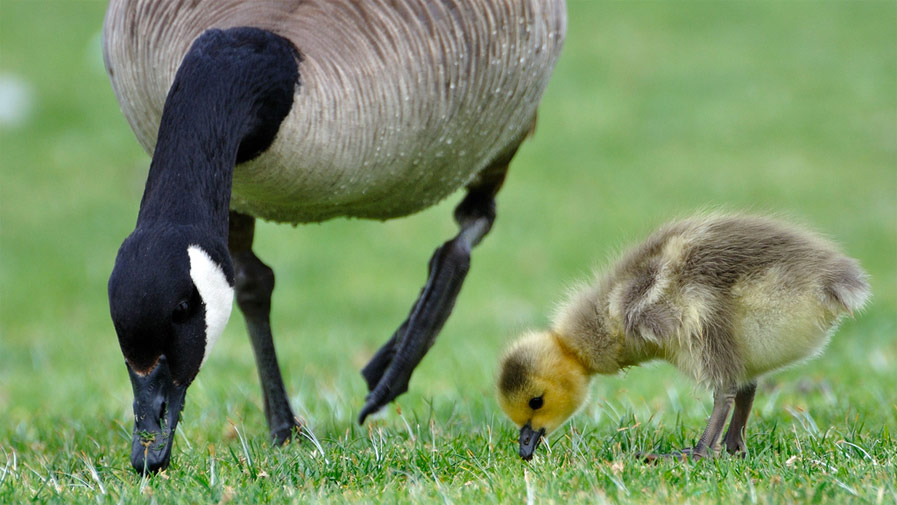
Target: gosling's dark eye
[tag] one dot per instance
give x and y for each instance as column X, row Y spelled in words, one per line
column 536, row 403
column 181, row 312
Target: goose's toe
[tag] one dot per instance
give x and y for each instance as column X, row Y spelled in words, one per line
column 285, row 433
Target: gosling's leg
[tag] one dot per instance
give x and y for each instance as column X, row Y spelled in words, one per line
column 388, row 372
column 734, row 437
column 722, row 406
column 254, row 283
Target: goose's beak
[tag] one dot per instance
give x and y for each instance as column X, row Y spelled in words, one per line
column 529, row 440
column 157, row 408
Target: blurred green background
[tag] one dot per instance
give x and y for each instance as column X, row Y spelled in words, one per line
column 656, row 109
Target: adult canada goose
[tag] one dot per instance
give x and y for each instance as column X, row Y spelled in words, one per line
column 301, row 111
column 724, row 298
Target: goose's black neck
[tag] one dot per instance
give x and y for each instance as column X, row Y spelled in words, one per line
column 230, row 94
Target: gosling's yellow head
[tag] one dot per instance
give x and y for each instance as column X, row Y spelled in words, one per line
column 540, row 385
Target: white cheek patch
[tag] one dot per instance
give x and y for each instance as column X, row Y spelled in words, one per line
column 216, row 294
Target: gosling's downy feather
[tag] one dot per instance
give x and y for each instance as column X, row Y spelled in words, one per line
column 723, row 297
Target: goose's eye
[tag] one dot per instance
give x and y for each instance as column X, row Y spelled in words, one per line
column 187, row 307
column 536, row 403
column 181, row 312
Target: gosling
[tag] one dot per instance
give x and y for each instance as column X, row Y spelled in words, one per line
column 724, row 298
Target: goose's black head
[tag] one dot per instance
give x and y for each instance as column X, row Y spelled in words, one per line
column 170, row 295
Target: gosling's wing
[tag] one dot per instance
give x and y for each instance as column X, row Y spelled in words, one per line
column 640, row 299
column 653, row 322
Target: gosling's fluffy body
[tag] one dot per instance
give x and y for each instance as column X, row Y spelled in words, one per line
column 724, row 298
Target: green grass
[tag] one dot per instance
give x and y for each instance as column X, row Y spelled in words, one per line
column 656, row 109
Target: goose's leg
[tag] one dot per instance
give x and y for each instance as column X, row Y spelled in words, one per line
column 254, row 283
column 734, row 437
column 389, row 371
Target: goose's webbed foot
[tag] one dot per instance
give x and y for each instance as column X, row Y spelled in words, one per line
column 286, row 432
column 388, row 372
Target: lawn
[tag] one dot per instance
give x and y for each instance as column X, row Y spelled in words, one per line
column 656, row 109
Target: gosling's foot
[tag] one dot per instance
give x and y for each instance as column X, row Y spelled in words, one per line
column 686, row 454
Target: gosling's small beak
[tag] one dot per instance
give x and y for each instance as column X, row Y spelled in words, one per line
column 529, row 440
column 157, row 408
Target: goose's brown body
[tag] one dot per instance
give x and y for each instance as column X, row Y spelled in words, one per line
column 401, row 102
